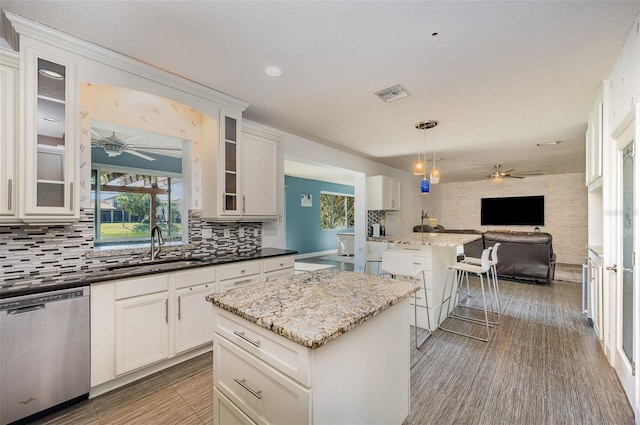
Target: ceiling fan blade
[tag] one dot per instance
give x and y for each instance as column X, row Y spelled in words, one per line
column 153, row 148
column 138, row 154
column 98, row 135
column 530, row 173
column 513, row 177
column 508, row 171
column 172, row 154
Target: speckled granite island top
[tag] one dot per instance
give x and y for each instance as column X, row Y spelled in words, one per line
column 312, row 309
column 428, row 239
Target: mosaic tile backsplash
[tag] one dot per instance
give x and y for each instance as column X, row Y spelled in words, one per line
column 55, row 252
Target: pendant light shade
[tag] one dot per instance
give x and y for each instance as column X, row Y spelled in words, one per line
column 424, row 185
column 434, row 176
column 418, row 168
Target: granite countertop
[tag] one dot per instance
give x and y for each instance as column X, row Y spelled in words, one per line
column 314, row 308
column 428, row 239
column 87, row 275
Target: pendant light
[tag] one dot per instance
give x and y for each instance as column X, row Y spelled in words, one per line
column 420, row 166
column 425, row 185
column 434, row 176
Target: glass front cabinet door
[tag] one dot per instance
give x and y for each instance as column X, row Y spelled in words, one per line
column 49, row 140
column 230, row 164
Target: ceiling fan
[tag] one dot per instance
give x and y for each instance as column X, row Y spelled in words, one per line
column 498, row 175
column 114, row 146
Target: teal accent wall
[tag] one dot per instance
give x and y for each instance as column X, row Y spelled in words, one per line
column 303, row 223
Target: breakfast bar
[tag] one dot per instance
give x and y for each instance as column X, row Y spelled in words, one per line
column 326, row 347
column 434, row 252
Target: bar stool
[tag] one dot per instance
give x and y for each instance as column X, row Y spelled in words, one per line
column 493, row 261
column 374, row 254
column 399, row 264
column 459, row 270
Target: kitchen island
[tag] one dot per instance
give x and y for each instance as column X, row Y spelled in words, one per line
column 326, row 347
column 434, row 252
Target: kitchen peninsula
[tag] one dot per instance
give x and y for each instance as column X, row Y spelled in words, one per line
column 435, row 252
column 325, row 347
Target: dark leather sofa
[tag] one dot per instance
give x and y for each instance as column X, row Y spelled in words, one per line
column 526, row 256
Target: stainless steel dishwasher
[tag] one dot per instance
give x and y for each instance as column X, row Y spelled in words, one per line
column 45, row 352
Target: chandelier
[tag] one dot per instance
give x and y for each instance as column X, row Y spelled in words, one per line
column 434, row 175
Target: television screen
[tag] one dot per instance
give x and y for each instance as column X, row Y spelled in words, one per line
column 514, row 211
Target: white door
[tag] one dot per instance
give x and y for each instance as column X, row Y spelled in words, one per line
column 626, row 289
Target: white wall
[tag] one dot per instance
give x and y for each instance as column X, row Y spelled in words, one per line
column 565, row 198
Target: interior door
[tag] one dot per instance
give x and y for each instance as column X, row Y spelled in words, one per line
column 624, row 306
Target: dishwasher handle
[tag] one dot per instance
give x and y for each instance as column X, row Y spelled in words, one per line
column 27, row 309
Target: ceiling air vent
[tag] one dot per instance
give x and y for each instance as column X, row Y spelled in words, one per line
column 392, row 93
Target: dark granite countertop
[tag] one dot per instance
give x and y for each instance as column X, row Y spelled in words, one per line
column 87, row 275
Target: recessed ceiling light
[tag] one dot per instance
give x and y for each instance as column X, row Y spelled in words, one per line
column 273, row 71
column 555, row 142
column 50, row 119
column 51, row 74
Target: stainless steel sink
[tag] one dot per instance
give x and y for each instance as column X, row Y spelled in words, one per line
column 157, row 265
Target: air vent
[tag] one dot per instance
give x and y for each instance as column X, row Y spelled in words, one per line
column 392, row 93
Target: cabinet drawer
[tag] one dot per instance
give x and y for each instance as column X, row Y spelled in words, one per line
column 141, row 286
column 285, row 355
column 278, row 273
column 243, row 268
column 194, row 277
column 278, row 263
column 227, row 413
column 259, row 390
column 240, row 281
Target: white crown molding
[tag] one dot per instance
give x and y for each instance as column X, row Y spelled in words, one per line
column 260, row 130
column 9, row 58
column 31, row 29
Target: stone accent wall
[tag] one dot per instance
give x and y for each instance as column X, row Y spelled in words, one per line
column 55, row 253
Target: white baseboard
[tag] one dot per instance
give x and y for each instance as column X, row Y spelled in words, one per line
column 316, row 254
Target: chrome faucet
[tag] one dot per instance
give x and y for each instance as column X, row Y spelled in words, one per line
column 155, row 252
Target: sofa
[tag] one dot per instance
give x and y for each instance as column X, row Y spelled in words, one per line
column 522, row 256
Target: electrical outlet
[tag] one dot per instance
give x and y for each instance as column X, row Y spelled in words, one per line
column 207, row 233
column 241, row 232
column 227, row 233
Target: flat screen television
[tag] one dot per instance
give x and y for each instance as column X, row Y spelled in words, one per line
column 513, row 211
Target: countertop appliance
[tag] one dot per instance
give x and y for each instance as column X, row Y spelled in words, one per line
column 45, row 356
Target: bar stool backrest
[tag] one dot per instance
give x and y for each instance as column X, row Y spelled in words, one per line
column 484, row 259
column 374, row 250
column 397, row 263
column 494, row 253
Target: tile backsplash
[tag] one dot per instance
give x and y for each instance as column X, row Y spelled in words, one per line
column 58, row 251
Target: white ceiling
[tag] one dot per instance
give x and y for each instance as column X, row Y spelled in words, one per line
column 499, row 77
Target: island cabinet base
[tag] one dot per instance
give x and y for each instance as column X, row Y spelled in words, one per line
column 361, row 377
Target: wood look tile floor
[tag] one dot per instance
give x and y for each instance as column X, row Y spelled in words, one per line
column 543, row 365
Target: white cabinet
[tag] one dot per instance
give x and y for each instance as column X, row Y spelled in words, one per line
column 239, row 274
column 9, row 101
column 192, row 313
column 221, row 170
column 594, row 137
column 239, row 170
column 595, row 297
column 259, row 182
column 48, row 139
column 345, row 243
column 383, row 193
column 274, row 268
column 262, row 377
column 142, row 331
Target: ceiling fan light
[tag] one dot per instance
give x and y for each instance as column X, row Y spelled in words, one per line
column 418, row 168
column 434, row 176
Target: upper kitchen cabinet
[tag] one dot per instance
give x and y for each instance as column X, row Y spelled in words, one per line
column 259, row 182
column 49, row 193
column 383, row 193
column 594, row 144
column 239, row 170
column 9, row 66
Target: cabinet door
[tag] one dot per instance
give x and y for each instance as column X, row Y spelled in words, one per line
column 142, row 331
column 394, row 189
column 230, row 162
column 8, row 134
column 259, row 157
column 48, row 139
column 194, row 317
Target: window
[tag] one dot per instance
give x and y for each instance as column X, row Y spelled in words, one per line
column 128, row 204
column 336, row 211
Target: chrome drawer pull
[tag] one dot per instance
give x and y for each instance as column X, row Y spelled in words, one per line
column 246, row 338
column 242, row 281
column 257, row 394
